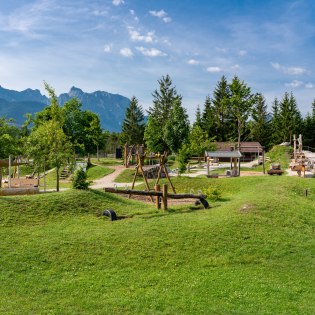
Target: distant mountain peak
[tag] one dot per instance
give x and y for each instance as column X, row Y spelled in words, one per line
column 110, row 107
column 75, row 92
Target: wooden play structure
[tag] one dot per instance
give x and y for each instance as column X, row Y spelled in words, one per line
column 14, row 184
column 141, row 156
column 160, row 195
column 299, row 163
column 138, row 153
column 131, row 152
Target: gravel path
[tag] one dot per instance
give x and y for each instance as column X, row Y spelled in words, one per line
column 109, row 180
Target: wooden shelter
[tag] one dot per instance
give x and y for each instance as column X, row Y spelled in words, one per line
column 250, row 150
column 234, row 157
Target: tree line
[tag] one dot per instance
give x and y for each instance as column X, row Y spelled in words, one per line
column 232, row 113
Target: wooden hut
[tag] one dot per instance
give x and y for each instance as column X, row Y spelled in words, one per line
column 233, row 156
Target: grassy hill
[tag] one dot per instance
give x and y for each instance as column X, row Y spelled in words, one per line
column 252, row 252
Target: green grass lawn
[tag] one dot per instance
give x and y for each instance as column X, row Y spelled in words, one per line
column 251, row 252
column 107, row 161
column 97, row 171
column 93, row 172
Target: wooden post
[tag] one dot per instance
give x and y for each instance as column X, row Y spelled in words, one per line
column 125, row 155
column 235, row 168
column 158, row 199
column 208, row 166
column 165, row 197
column 9, row 171
column 263, row 161
column 294, row 146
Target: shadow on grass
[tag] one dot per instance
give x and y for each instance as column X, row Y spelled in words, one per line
column 173, row 211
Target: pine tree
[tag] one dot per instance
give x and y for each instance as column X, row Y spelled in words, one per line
column 309, row 128
column 241, row 102
column 260, row 126
column 177, row 127
column 198, row 121
column 133, row 124
column 164, row 100
column 275, row 123
column 290, row 117
column 221, row 95
column 208, row 119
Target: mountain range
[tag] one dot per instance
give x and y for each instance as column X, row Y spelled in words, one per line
column 110, row 107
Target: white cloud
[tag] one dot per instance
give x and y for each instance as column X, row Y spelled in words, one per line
column 118, row 2
column 108, row 48
column 153, row 52
column 137, row 37
column 167, row 19
column 126, row 52
column 294, row 84
column 242, row 52
column 193, row 62
column 161, row 15
column 214, row 69
column 222, row 50
column 133, row 13
column 309, row 85
column 289, row 70
column 235, row 67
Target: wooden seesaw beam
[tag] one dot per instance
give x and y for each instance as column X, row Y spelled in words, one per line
column 161, row 194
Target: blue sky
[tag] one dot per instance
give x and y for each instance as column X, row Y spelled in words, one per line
column 125, row 46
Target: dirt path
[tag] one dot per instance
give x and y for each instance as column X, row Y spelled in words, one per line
column 109, row 180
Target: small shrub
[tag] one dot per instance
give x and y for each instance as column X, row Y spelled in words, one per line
column 79, row 180
column 171, row 158
column 213, row 193
column 183, row 158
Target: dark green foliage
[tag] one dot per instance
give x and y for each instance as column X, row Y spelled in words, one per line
column 10, row 138
column 208, row 119
column 290, row 117
column 154, row 136
column 177, row 127
column 164, row 100
column 198, row 121
column 260, row 124
column 79, row 179
column 221, row 109
column 83, row 128
column 183, row 158
column 241, row 101
column 275, row 124
column 133, row 124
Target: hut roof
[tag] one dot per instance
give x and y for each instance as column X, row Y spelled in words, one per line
column 223, row 154
column 246, row 147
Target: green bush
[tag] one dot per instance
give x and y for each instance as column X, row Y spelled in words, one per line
column 79, row 180
column 183, row 158
column 213, row 193
column 171, row 158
